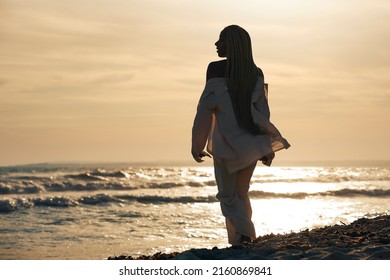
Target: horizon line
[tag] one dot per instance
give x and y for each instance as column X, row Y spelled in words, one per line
column 281, row 163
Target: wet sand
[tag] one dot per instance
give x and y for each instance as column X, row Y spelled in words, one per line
column 364, row 239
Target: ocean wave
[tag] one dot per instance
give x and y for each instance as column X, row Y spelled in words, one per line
column 82, row 179
column 28, row 187
column 86, row 177
column 20, row 189
column 320, row 179
column 155, row 199
column 54, row 202
column 379, row 193
column 79, row 187
column 352, row 192
column 10, row 205
column 14, row 204
column 267, row 195
column 99, row 175
column 99, row 199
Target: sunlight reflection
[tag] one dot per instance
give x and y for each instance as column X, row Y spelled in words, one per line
column 293, row 187
column 286, row 215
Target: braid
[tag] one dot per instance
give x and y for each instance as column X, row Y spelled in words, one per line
column 242, row 75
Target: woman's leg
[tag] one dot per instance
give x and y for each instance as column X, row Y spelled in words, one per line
column 243, row 181
column 238, row 222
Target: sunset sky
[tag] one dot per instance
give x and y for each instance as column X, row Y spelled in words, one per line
column 119, row 80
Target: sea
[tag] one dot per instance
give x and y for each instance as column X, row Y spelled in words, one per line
column 77, row 211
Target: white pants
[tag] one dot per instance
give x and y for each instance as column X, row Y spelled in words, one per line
column 235, row 204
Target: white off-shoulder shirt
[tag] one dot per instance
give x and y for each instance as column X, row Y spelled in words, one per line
column 215, row 124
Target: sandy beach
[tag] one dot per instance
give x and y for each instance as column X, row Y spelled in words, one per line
column 364, row 239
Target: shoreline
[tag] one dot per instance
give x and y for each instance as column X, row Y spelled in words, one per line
column 363, row 239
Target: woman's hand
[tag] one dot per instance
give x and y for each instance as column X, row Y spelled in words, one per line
column 267, row 160
column 198, row 156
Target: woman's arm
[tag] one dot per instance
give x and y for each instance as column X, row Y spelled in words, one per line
column 200, row 132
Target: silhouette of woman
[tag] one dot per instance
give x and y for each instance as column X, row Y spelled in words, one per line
column 233, row 118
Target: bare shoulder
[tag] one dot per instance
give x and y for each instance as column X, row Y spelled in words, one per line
column 216, row 69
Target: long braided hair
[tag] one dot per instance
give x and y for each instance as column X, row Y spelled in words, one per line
column 241, row 74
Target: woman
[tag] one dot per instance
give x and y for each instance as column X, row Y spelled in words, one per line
column 233, row 119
